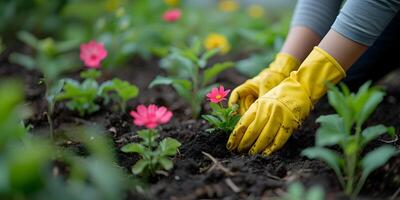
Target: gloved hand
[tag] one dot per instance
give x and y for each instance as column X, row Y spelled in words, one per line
column 248, row 92
column 270, row 121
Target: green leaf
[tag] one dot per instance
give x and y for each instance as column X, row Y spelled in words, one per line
column 216, row 69
column 55, row 90
column 149, row 137
column 124, row 89
column 24, row 60
column 377, row 158
column 177, row 65
column 160, row 80
column 28, row 39
column 339, row 102
column 139, row 167
column 133, row 148
column 331, row 131
column 296, row 191
column 369, row 105
column 372, row 161
column 183, row 87
column 166, row 163
column 329, row 157
column 215, row 106
column 169, row 146
column 91, row 73
column 212, row 120
column 372, row 133
column 315, row 193
column 207, row 55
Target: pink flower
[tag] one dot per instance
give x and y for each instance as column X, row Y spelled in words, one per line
column 151, row 116
column 218, row 94
column 92, row 53
column 172, row 15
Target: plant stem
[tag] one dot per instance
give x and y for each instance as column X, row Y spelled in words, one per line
column 50, row 109
column 123, row 106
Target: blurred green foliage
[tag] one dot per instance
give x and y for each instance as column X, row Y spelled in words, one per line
column 129, row 28
column 190, row 73
column 33, row 168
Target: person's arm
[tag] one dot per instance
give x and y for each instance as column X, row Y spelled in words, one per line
column 357, row 27
column 311, row 21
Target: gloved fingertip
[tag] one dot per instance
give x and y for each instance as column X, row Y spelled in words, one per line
column 229, row 146
column 267, row 152
column 252, row 151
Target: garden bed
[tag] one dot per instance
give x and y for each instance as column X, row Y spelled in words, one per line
column 204, row 168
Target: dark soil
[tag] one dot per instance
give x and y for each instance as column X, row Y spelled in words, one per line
column 230, row 175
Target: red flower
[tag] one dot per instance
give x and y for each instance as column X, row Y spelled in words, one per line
column 217, row 95
column 172, row 15
column 151, row 116
column 92, row 53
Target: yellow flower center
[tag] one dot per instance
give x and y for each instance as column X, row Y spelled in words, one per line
column 218, row 97
column 255, row 11
column 171, row 2
column 228, row 5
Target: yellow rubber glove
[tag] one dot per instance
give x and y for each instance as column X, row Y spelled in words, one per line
column 248, row 92
column 270, row 121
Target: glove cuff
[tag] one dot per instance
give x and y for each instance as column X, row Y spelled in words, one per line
column 317, row 69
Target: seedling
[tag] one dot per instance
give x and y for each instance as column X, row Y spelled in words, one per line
column 123, row 92
column 155, row 155
column 222, row 117
column 52, row 59
column 188, row 73
column 81, row 96
column 345, row 129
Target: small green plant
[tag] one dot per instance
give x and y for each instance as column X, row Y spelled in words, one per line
column 222, row 117
column 52, row 59
column 123, row 92
column 345, row 129
column 155, row 155
column 81, row 96
column 297, row 191
column 188, row 73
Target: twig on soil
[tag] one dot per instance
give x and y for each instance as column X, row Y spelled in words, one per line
column 394, row 196
column 217, row 165
column 232, row 185
column 390, row 141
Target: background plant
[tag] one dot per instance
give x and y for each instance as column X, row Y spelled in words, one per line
column 84, row 96
column 345, row 129
column 52, row 59
column 121, row 92
column 27, row 162
column 222, row 117
column 189, row 75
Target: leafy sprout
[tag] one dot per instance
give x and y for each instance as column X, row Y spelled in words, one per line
column 189, row 75
column 155, row 155
column 345, row 129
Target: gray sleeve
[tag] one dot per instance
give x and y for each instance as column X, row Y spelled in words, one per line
column 364, row 20
column 318, row 15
